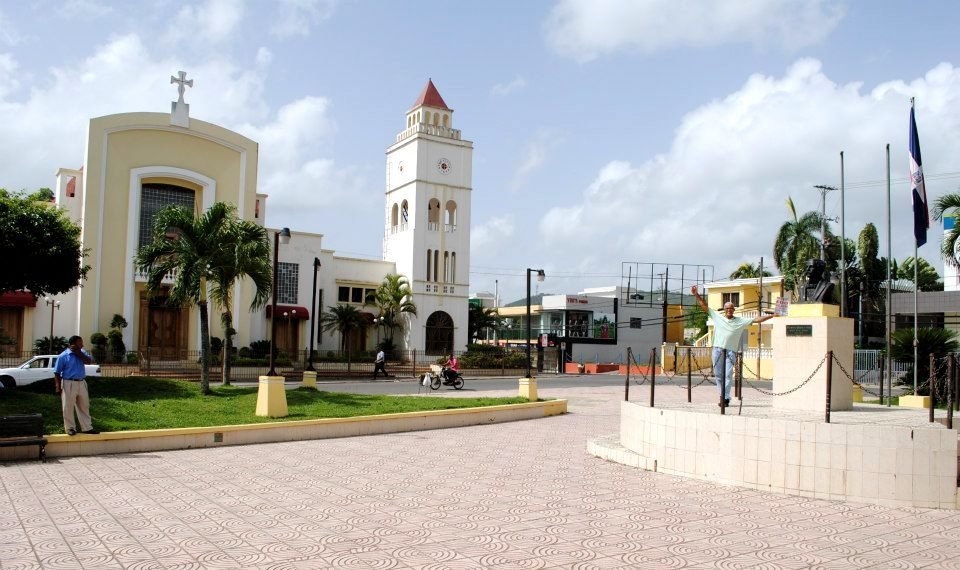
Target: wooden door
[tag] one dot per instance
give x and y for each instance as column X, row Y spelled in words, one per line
column 11, row 331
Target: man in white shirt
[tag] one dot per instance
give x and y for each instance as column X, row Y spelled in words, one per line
column 379, row 365
column 727, row 334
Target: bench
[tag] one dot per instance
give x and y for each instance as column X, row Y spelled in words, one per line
column 24, row 429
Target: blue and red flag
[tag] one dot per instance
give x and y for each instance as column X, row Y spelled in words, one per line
column 921, row 214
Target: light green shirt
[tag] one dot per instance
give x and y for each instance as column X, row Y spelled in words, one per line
column 727, row 332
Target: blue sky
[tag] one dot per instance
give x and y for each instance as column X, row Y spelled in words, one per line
column 604, row 131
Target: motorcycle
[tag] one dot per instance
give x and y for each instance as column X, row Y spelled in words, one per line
column 437, row 377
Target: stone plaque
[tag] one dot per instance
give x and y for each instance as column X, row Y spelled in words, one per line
column 799, row 330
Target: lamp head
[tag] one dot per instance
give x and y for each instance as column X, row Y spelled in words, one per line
column 285, row 236
column 541, row 275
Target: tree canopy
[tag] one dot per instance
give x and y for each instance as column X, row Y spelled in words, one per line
column 42, row 243
column 747, row 270
column 927, row 277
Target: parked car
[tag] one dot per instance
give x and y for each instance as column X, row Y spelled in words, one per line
column 36, row 369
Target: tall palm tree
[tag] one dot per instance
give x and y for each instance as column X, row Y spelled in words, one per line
column 345, row 319
column 796, row 241
column 246, row 253
column 949, row 204
column 747, row 270
column 394, row 299
column 189, row 246
column 479, row 319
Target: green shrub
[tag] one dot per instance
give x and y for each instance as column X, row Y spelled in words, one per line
column 938, row 342
column 42, row 345
column 245, row 352
column 260, row 349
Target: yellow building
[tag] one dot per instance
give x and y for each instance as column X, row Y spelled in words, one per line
column 749, row 297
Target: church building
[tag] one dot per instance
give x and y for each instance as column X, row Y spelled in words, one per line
column 137, row 163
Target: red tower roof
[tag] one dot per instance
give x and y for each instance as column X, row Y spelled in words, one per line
column 430, row 97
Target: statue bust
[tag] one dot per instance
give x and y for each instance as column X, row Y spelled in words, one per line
column 818, row 289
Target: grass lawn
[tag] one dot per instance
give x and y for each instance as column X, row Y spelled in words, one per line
column 118, row 404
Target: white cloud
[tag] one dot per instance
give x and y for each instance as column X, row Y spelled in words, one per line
column 209, row 23
column 717, row 195
column 84, row 9
column 492, row 233
column 8, row 33
column 264, row 56
column 586, row 29
column 535, row 153
column 296, row 17
column 8, row 75
column 504, row 89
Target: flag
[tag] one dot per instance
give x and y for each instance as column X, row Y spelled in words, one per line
column 921, row 215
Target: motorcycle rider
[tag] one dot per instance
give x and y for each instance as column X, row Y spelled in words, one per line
column 451, row 369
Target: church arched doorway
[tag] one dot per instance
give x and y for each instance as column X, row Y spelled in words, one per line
column 439, row 333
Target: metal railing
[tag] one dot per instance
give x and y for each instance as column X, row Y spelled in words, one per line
column 867, row 365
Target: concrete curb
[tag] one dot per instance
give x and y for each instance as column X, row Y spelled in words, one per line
column 61, row 445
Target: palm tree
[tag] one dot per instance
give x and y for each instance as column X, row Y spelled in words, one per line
column 394, row 299
column 480, row 319
column 189, row 246
column 246, row 253
column 796, row 242
column 949, row 204
column 344, row 319
column 748, row 270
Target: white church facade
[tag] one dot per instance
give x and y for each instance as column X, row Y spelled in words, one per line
column 137, row 163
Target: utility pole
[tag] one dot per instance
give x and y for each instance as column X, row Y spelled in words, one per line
column 823, row 218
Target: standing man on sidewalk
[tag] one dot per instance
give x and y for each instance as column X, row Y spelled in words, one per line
column 70, row 381
column 727, row 334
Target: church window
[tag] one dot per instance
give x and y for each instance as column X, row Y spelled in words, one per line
column 433, row 214
column 446, row 266
column 453, row 267
column 288, row 277
column 429, row 262
column 394, row 214
column 446, row 120
column 155, row 197
column 451, row 215
column 436, row 119
column 404, row 213
column 256, row 209
column 436, row 262
column 343, row 294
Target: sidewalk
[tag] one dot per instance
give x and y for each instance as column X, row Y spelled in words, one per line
column 515, row 495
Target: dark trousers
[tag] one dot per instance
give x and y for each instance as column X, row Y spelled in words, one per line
column 380, row 367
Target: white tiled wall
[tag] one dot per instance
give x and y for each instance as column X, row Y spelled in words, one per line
column 889, row 465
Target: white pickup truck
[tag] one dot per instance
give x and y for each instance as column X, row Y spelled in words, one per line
column 36, row 369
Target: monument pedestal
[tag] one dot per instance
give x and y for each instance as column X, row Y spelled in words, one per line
column 272, row 397
column 800, row 342
column 528, row 389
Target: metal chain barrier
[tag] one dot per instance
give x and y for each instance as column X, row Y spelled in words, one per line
column 791, row 390
column 639, row 370
column 853, row 380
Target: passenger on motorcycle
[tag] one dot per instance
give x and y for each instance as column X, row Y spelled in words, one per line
column 451, row 368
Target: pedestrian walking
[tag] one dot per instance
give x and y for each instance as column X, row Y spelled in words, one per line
column 379, row 365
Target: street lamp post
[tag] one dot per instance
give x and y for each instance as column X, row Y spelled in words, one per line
column 313, row 313
column 54, row 305
column 540, row 277
column 283, row 236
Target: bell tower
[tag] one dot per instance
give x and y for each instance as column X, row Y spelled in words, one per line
column 427, row 222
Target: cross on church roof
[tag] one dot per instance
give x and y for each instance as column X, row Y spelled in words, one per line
column 183, row 83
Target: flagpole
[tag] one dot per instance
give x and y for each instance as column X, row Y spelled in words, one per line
column 888, row 357
column 843, row 245
column 916, row 288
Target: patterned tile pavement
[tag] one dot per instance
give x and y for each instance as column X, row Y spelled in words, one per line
column 517, row 495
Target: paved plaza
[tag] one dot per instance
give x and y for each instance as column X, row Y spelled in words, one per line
column 515, row 495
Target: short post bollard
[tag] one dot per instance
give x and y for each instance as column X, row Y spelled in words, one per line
column 738, row 376
column 626, row 383
column 653, row 374
column 932, row 384
column 951, row 371
column 829, row 381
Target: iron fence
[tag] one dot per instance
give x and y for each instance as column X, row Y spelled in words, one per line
column 867, row 365
column 186, row 364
